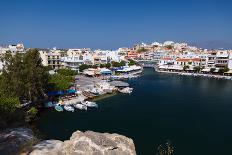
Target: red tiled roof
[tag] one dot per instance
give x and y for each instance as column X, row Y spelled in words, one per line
column 166, row 58
column 188, row 59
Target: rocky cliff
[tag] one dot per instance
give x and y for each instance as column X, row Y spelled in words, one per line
column 87, row 143
column 14, row 141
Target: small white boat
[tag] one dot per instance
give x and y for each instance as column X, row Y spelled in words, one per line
column 69, row 108
column 80, row 106
column 89, row 104
column 126, row 90
column 59, row 108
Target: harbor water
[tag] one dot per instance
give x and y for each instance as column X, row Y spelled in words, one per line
column 194, row 113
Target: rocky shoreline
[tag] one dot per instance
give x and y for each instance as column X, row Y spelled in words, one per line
column 22, row 141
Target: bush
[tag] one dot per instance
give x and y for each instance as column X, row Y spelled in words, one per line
column 31, row 114
column 60, row 82
column 185, row 67
column 212, row 70
column 8, row 107
column 33, row 111
column 67, row 72
column 223, row 70
column 108, row 65
column 83, row 67
column 131, row 62
column 197, row 68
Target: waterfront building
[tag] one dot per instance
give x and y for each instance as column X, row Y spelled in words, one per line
column 51, row 58
column 72, row 63
column 211, row 59
column 230, row 61
column 188, row 62
column 157, row 55
column 222, row 58
column 132, row 55
column 166, row 61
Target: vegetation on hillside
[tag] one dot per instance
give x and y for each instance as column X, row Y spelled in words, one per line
column 140, row 50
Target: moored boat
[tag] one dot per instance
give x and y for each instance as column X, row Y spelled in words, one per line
column 59, row 108
column 89, row 104
column 80, row 106
column 69, row 108
column 126, row 90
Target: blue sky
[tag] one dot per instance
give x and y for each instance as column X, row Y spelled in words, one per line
column 109, row 24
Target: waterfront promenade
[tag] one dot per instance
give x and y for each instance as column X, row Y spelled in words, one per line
column 197, row 74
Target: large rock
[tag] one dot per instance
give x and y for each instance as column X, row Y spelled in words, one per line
column 48, row 147
column 13, row 140
column 87, row 143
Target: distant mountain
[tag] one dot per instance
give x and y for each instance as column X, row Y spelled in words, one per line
column 213, row 44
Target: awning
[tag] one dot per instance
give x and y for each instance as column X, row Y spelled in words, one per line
column 55, row 93
column 206, row 70
column 229, row 72
column 71, row 91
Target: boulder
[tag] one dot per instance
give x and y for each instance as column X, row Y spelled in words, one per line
column 13, row 140
column 47, row 147
column 87, row 143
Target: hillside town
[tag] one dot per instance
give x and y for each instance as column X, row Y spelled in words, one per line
column 168, row 56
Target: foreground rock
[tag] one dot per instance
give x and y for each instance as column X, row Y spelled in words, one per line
column 87, row 143
column 13, row 140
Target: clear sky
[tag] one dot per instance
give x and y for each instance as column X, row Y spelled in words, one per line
column 109, row 24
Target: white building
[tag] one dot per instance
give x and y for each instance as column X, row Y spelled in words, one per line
column 230, row 60
column 51, row 58
column 222, row 58
column 106, row 56
column 158, row 55
column 16, row 48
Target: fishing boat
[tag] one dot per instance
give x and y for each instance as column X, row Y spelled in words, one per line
column 59, row 108
column 80, row 106
column 89, row 104
column 69, row 108
column 94, row 91
column 126, row 90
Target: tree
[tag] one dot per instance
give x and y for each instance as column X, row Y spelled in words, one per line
column 60, row 82
column 36, row 76
column 67, row 72
column 8, row 107
column 122, row 63
column 83, row 67
column 102, row 65
column 131, row 62
column 185, row 67
column 118, row 64
column 197, row 69
column 24, row 76
column 212, row 70
column 223, row 70
column 115, row 64
column 108, row 65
